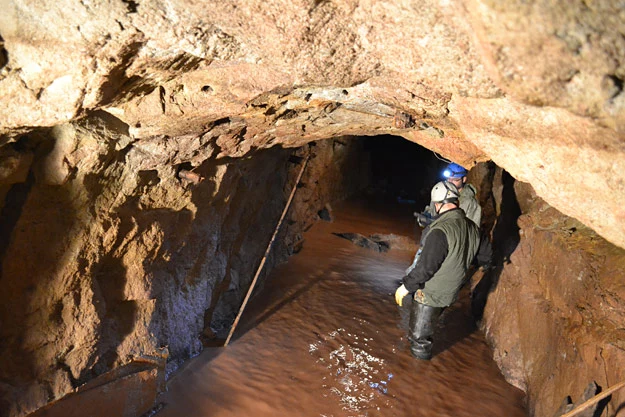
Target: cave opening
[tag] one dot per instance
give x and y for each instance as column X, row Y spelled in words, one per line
column 403, row 170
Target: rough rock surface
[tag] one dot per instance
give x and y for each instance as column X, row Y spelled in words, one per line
column 557, row 300
column 535, row 86
column 107, row 255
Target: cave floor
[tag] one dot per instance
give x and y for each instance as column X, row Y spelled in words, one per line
column 325, row 338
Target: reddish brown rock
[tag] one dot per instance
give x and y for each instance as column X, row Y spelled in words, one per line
column 529, row 86
column 554, row 310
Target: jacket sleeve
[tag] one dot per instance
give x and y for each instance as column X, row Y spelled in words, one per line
column 434, row 253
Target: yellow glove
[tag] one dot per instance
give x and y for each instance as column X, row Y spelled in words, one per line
column 400, row 293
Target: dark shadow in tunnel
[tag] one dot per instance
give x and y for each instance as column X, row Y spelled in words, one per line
column 9, row 216
column 592, row 409
column 506, row 238
column 4, row 55
column 602, row 405
column 12, row 210
column 506, row 235
column 404, row 172
column 16, row 195
column 36, row 225
column 486, row 197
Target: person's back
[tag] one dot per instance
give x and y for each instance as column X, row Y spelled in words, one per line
column 463, row 239
column 456, row 175
column 469, row 203
column 440, row 271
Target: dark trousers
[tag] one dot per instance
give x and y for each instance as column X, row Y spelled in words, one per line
column 423, row 320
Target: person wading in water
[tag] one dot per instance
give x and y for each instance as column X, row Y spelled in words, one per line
column 449, row 248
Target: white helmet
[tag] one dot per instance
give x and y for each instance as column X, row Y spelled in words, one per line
column 445, row 192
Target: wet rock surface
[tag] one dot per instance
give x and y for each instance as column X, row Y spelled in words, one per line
column 365, row 242
column 554, row 302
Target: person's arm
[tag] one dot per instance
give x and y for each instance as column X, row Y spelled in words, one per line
column 434, row 253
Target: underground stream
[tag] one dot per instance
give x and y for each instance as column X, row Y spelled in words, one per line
column 324, row 337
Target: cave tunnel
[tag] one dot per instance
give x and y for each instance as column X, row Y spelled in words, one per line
column 346, row 281
column 160, row 163
column 322, row 323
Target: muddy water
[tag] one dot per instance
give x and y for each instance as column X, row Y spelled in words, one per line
column 325, row 338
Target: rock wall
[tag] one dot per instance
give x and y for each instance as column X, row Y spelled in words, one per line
column 555, row 304
column 535, row 86
column 108, row 254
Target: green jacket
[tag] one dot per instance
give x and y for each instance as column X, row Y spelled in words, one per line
column 463, row 240
column 470, row 205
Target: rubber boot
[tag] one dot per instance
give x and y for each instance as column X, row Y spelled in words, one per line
column 423, row 321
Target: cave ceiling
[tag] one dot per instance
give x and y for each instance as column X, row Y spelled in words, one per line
column 534, row 86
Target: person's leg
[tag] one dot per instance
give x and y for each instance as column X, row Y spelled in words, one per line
column 423, row 319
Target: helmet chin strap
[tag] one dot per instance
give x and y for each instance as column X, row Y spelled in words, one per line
column 445, row 201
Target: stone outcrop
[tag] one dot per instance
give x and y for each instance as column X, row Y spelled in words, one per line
column 555, row 301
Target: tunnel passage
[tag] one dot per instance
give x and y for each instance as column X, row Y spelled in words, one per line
column 402, row 169
column 155, row 266
column 382, row 169
column 325, row 337
column 328, row 325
